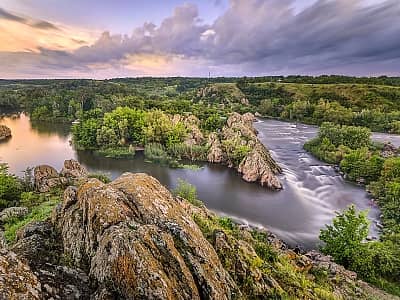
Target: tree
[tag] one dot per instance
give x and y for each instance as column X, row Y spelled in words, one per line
column 10, row 188
column 343, row 239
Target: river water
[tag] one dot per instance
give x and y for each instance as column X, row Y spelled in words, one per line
column 312, row 193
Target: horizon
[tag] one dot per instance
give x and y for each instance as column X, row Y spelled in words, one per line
column 229, row 38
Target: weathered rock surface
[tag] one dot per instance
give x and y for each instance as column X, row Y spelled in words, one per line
column 73, row 169
column 40, row 246
column 13, row 212
column 192, row 124
column 257, row 165
column 134, row 226
column 5, row 132
column 46, row 177
column 215, row 153
column 17, row 281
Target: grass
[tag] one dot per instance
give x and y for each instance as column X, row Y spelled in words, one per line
column 118, row 152
column 38, row 213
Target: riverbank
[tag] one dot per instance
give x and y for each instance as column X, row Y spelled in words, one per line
column 311, row 195
column 167, row 139
column 376, row 167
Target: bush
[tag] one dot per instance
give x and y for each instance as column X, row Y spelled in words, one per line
column 360, row 164
column 38, row 213
column 100, row 176
column 343, row 238
column 187, row 191
column 351, row 136
column 10, row 188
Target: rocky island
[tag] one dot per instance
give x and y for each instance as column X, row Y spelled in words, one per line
column 132, row 239
column 5, row 132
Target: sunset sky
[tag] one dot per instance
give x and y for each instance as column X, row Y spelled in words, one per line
column 119, row 38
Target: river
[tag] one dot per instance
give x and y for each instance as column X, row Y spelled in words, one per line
column 312, row 192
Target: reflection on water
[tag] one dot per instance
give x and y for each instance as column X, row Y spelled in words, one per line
column 313, row 191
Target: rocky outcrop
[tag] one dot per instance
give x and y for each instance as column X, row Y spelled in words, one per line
column 134, row 226
column 47, row 178
column 17, row 280
column 258, row 166
column 192, row 125
column 40, row 246
column 131, row 239
column 5, row 132
column 13, row 212
column 215, row 152
column 239, row 136
column 73, row 169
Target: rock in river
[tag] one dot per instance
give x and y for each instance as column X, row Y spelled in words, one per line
column 5, row 132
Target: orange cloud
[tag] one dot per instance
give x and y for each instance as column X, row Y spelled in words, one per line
column 21, row 37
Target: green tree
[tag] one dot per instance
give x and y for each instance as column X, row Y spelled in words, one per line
column 343, row 239
column 10, row 188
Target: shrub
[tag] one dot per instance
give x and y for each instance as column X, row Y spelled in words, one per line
column 343, row 238
column 361, row 164
column 351, row 136
column 187, row 191
column 10, row 188
column 100, row 176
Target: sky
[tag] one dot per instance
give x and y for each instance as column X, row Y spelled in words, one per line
column 128, row 38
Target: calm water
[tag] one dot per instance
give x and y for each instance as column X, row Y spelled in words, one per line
column 312, row 190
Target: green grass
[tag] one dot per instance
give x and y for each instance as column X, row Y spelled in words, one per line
column 119, row 152
column 38, row 213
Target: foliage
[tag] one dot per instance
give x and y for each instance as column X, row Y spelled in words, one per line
column 360, row 164
column 187, row 191
column 192, row 152
column 100, row 176
column 117, row 152
column 349, row 136
column 10, row 188
column 343, row 238
column 235, row 151
column 38, row 213
column 375, row 262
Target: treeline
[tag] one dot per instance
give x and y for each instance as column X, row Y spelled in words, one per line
column 378, row 167
column 375, row 107
column 314, row 100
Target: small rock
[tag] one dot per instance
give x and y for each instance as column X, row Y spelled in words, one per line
column 13, row 212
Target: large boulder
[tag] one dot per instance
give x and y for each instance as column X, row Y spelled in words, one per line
column 138, row 241
column 17, row 281
column 40, row 247
column 5, row 132
column 73, row 169
column 258, row 166
column 46, row 178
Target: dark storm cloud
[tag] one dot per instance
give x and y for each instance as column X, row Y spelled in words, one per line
column 27, row 21
column 259, row 37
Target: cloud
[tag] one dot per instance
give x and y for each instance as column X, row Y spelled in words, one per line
column 27, row 21
column 251, row 37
